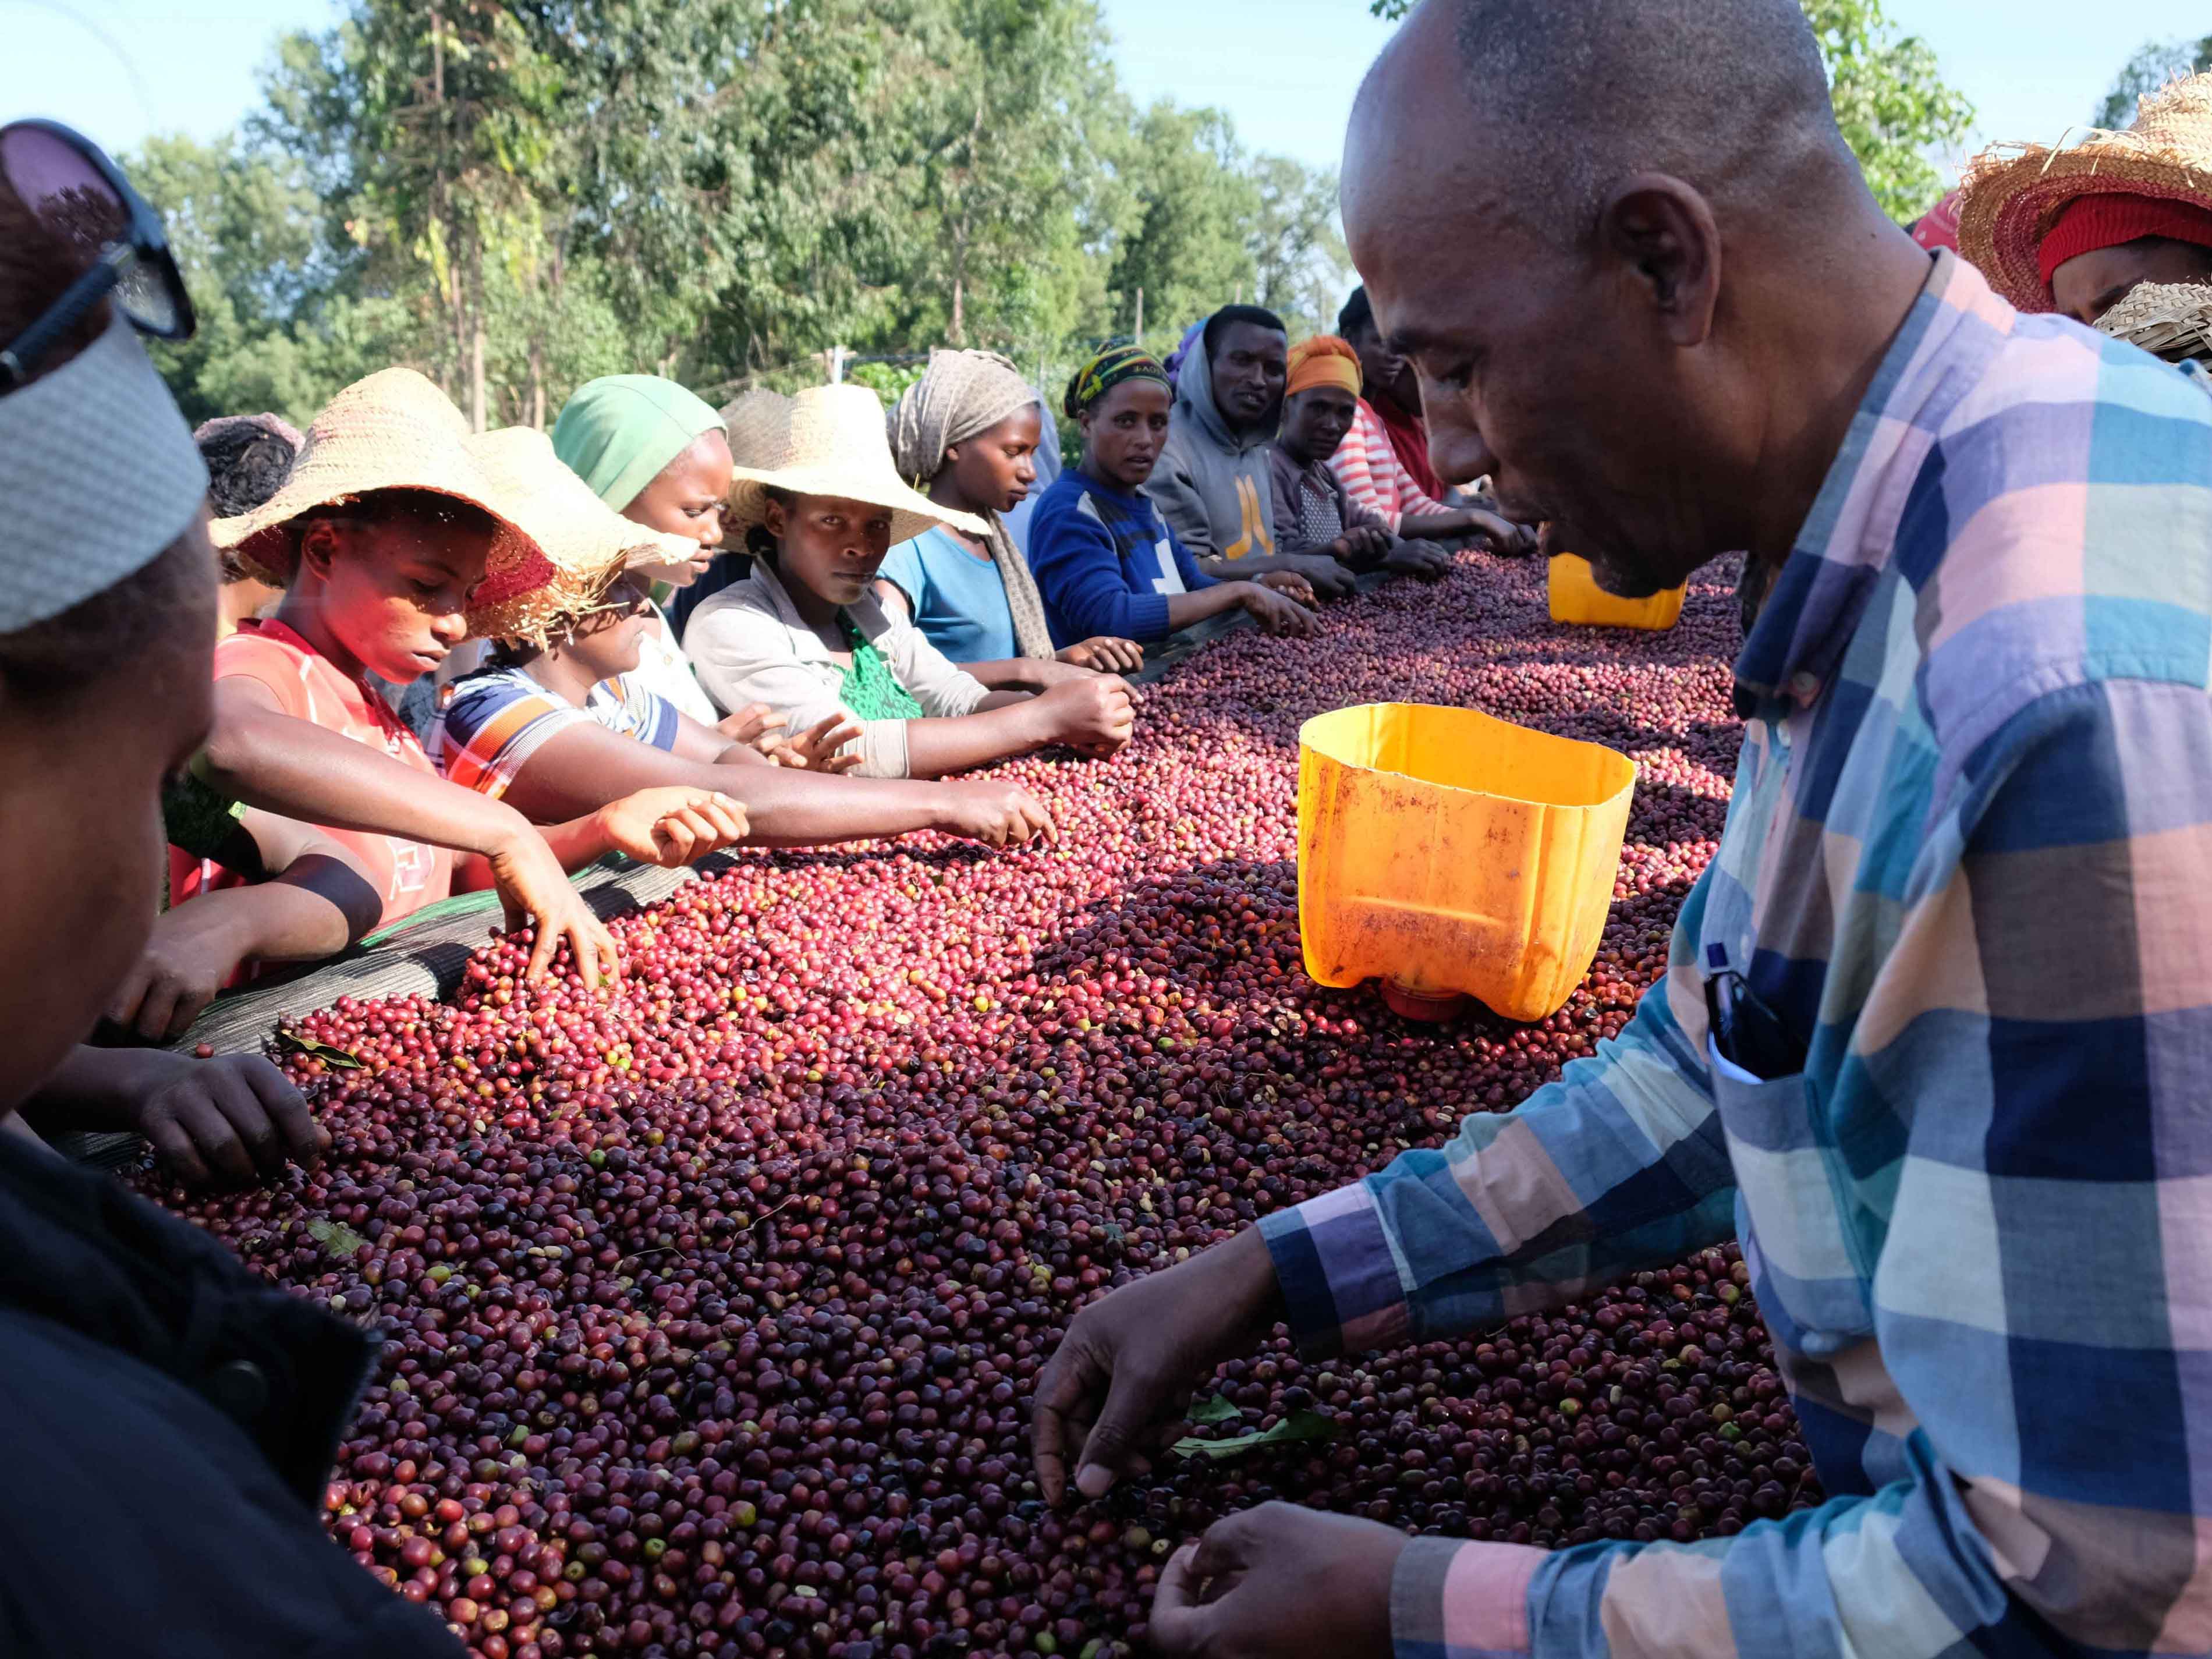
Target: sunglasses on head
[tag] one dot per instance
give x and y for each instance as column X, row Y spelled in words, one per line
column 627, row 597
column 66, row 180
column 622, row 599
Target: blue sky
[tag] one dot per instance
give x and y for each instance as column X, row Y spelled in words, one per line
column 1285, row 69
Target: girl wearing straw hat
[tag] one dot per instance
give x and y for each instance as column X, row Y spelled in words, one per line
column 560, row 720
column 2076, row 228
column 393, row 542
column 804, row 636
column 967, row 432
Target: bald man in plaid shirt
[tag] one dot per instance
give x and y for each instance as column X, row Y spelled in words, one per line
column 1935, row 1039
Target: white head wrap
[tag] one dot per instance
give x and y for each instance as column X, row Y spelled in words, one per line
column 65, row 536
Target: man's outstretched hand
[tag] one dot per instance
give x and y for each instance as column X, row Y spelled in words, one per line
column 1116, row 1389
column 1279, row 1581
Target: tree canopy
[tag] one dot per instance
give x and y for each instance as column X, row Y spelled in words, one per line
column 515, row 196
column 2155, row 63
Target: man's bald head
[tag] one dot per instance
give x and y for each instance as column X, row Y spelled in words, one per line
column 1631, row 259
column 1569, row 99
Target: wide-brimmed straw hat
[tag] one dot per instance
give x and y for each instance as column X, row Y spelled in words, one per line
column 393, row 430
column 2011, row 194
column 587, row 543
column 2171, row 320
column 826, row 440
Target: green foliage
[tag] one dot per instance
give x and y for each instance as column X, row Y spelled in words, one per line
column 1297, row 251
column 1185, row 243
column 887, row 380
column 1891, row 99
column 2155, row 63
column 1891, row 102
column 717, row 190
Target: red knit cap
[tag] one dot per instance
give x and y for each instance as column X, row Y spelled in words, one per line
column 2092, row 222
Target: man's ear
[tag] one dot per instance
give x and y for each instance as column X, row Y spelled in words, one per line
column 772, row 516
column 1662, row 234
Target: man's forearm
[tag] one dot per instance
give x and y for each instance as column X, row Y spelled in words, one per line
column 1432, row 1244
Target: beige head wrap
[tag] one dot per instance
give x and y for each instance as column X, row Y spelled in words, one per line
column 960, row 394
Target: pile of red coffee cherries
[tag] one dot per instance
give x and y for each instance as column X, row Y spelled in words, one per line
column 711, row 1307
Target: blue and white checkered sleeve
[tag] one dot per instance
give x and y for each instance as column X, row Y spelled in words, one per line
column 2041, row 1033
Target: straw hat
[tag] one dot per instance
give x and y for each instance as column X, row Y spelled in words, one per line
column 754, row 422
column 2013, row 193
column 393, row 430
column 587, row 543
column 826, row 441
column 2168, row 319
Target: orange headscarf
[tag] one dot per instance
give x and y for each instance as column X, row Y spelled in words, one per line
column 1323, row 360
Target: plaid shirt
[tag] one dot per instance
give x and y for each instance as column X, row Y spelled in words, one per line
column 1967, row 858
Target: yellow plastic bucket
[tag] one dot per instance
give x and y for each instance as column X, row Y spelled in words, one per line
column 1577, row 597
column 1451, row 855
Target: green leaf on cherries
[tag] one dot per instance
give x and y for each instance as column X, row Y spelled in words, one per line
column 1298, row 1426
column 336, row 1237
column 296, row 1043
column 1216, row 1410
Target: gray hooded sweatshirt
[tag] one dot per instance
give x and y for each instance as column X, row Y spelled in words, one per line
column 1211, row 485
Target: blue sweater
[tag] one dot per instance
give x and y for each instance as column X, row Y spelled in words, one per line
column 1104, row 564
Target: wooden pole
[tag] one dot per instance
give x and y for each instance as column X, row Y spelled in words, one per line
column 1139, row 335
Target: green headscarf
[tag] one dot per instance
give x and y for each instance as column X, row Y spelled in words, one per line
column 619, row 431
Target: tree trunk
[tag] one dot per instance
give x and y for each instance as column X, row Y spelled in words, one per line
column 449, row 383
column 476, row 370
column 537, row 383
column 956, row 333
column 457, row 308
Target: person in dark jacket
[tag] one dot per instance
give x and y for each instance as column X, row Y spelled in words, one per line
column 1104, row 562
column 169, row 1420
column 1210, row 484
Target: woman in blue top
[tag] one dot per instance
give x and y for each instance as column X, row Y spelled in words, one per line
column 1104, row 564
column 966, row 434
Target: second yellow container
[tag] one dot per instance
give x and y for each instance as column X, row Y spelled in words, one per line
column 1449, row 854
column 1577, row 597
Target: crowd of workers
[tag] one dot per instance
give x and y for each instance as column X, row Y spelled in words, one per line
column 1952, row 1108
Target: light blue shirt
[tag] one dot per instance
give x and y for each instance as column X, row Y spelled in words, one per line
column 958, row 600
column 1046, row 461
